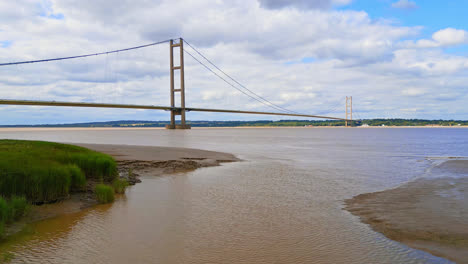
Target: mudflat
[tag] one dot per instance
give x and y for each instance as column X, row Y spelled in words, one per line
column 427, row 214
column 149, row 153
column 159, row 160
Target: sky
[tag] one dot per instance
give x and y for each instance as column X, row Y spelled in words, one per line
column 396, row 58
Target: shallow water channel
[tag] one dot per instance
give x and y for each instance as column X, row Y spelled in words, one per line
column 282, row 204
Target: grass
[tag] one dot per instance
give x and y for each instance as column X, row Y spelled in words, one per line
column 104, row 193
column 7, row 257
column 39, row 172
column 11, row 210
column 119, row 185
column 45, row 171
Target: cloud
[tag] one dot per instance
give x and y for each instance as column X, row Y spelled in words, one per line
column 297, row 96
column 443, row 38
column 302, row 4
column 413, row 92
column 349, row 54
column 404, row 4
column 450, row 37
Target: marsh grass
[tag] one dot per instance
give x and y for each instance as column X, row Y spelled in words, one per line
column 104, row 193
column 120, row 185
column 45, row 171
column 7, row 257
column 11, row 210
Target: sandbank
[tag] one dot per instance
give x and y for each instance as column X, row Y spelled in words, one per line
column 430, row 214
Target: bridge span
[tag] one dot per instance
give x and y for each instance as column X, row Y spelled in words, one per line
column 173, row 109
column 177, row 110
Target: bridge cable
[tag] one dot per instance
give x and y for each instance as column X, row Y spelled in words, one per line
column 333, row 108
column 260, row 97
column 86, row 55
column 226, row 81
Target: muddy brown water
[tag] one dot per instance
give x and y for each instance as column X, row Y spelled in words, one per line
column 282, row 204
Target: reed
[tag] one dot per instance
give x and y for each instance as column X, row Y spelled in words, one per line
column 11, row 210
column 45, row 171
column 78, row 178
column 7, row 257
column 5, row 212
column 104, row 193
column 120, row 185
column 19, row 206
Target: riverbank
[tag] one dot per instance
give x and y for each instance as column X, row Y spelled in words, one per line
column 140, row 160
column 427, row 214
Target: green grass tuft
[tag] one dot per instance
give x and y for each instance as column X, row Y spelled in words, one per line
column 119, row 185
column 2, row 229
column 78, row 178
column 104, row 193
column 11, row 210
column 7, row 257
column 19, row 206
column 46, row 171
column 5, row 212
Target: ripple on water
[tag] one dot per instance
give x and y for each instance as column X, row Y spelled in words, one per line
column 284, row 205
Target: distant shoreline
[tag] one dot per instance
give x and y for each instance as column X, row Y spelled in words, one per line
column 5, row 129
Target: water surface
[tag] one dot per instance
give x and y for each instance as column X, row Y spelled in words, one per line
column 282, row 204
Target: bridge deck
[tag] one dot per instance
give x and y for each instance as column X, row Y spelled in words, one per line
column 154, row 107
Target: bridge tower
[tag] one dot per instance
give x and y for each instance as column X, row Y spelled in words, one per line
column 349, row 110
column 181, row 109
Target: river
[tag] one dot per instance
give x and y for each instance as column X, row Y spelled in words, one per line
column 281, row 204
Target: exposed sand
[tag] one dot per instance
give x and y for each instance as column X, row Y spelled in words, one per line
column 150, row 161
column 427, row 214
column 159, row 160
column 145, row 153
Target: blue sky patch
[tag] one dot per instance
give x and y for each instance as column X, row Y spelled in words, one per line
column 5, row 43
column 48, row 11
column 303, row 60
column 433, row 15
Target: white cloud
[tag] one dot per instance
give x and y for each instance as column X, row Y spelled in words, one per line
column 352, row 55
column 450, row 37
column 442, row 38
column 404, row 4
column 297, row 96
column 307, row 4
column 413, row 92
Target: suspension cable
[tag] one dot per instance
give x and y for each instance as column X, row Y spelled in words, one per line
column 241, row 85
column 226, row 81
column 86, row 55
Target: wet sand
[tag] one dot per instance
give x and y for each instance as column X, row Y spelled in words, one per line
column 427, row 214
column 145, row 153
column 159, row 160
column 142, row 160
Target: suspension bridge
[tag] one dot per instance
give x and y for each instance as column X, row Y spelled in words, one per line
column 175, row 109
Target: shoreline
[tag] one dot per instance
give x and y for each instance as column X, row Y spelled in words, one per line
column 14, row 129
column 429, row 214
column 141, row 160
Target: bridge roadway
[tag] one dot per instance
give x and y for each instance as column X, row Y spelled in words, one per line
column 153, row 107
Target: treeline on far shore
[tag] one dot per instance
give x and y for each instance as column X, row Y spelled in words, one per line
column 265, row 123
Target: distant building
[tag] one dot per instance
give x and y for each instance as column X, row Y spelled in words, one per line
column 383, row 125
column 365, row 125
